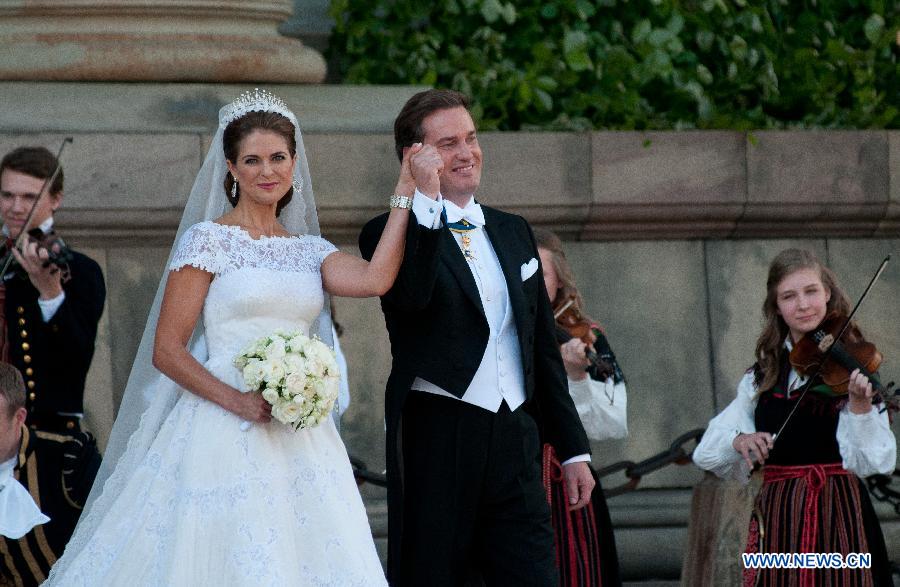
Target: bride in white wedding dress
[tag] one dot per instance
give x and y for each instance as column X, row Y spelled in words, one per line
column 190, row 495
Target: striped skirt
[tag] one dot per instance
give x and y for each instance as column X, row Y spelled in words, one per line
column 818, row 508
column 585, row 545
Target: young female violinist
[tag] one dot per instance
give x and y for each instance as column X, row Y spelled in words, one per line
column 812, row 498
column 585, row 543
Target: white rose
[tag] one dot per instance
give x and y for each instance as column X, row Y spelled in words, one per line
column 270, row 395
column 253, row 373
column 332, row 387
column 272, row 371
column 291, row 412
column 315, row 367
column 294, row 383
column 313, row 386
column 275, row 349
column 294, row 363
column 319, row 350
column 298, row 342
column 276, row 412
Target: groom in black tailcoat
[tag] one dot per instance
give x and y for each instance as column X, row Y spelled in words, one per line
column 477, row 382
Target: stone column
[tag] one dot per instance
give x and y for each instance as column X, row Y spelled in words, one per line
column 152, row 40
column 310, row 23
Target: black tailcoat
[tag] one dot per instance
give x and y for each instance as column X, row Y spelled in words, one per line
column 54, row 357
column 438, row 331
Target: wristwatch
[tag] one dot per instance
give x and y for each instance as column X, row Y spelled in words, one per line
column 400, row 202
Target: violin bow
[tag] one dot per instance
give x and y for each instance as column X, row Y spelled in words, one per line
column 47, row 183
column 830, row 348
column 563, row 308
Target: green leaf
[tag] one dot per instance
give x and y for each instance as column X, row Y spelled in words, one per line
column 705, row 39
column 704, row 75
column 641, row 30
column 509, row 13
column 873, row 27
column 584, row 9
column 738, row 47
column 575, row 50
column 574, row 40
column 491, row 10
column 547, row 83
column 659, row 37
column 675, row 24
column 544, row 99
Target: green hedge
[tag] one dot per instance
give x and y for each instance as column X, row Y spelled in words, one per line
column 656, row 64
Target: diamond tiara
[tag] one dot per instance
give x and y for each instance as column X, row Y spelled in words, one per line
column 255, row 101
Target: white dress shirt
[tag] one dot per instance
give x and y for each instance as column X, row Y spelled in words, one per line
column 500, row 375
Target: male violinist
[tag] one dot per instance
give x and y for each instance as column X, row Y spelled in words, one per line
column 49, row 315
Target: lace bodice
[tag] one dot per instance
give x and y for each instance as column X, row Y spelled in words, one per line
column 258, row 285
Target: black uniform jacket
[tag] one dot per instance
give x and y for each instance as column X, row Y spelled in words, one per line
column 54, row 357
column 438, row 331
column 58, row 471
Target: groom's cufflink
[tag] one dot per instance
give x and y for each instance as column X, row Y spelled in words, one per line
column 529, row 268
column 400, row 202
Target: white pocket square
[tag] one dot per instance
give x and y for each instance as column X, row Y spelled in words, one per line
column 529, row 268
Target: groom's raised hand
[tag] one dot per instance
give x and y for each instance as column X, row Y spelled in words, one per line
column 426, row 166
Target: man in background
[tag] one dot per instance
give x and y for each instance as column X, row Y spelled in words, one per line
column 49, row 312
column 45, row 479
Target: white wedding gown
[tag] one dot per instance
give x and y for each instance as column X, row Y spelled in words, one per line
column 210, row 504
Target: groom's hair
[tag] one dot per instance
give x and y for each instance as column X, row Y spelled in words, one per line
column 36, row 162
column 408, row 125
column 12, row 388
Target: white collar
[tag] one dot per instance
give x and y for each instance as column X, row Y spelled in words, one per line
column 471, row 212
column 6, row 467
column 18, row 512
column 45, row 227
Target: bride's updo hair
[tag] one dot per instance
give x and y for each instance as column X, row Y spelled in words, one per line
column 239, row 128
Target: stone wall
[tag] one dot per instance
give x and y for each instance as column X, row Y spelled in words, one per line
column 669, row 234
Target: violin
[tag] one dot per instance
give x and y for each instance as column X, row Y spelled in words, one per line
column 570, row 323
column 826, row 347
column 58, row 253
column 849, row 353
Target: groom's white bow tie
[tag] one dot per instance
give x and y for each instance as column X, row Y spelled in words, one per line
column 472, row 213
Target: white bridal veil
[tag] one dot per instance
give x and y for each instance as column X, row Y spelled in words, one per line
column 149, row 395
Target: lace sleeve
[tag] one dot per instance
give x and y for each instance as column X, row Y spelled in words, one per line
column 199, row 248
column 321, row 248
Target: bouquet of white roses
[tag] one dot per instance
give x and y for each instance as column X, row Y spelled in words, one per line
column 298, row 375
